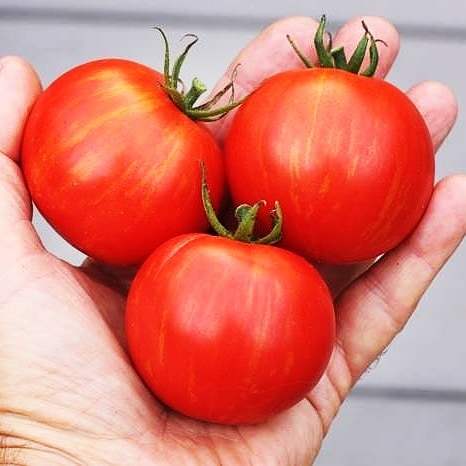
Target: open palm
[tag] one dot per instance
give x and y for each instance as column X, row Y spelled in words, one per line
column 68, row 392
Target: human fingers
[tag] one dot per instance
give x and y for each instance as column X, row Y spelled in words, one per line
column 19, row 87
column 372, row 311
column 17, row 235
column 438, row 105
column 270, row 53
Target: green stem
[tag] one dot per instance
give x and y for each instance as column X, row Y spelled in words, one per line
column 275, row 234
column 209, row 208
column 355, row 62
column 246, row 216
column 324, row 54
column 195, row 91
column 307, row 62
column 339, row 58
column 329, row 57
column 187, row 101
column 180, row 60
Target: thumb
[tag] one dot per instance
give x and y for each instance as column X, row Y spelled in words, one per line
column 19, row 87
column 18, row 237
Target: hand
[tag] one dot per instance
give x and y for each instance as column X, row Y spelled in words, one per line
column 68, row 392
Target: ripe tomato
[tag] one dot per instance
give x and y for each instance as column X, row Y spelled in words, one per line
column 113, row 164
column 228, row 332
column 349, row 158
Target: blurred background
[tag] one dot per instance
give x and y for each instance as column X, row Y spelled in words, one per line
column 410, row 407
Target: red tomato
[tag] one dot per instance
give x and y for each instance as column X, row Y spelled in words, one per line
column 113, row 164
column 226, row 331
column 349, row 158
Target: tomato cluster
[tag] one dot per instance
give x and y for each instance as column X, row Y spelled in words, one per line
column 230, row 327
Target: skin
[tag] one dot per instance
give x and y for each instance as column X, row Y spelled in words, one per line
column 68, row 393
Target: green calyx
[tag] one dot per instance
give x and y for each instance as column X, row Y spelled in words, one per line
column 186, row 100
column 330, row 57
column 246, row 216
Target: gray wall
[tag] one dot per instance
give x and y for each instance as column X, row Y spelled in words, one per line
column 410, row 408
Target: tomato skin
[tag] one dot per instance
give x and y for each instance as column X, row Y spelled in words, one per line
column 114, row 165
column 349, row 158
column 229, row 332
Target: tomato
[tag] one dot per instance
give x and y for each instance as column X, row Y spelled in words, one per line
column 113, row 164
column 112, row 152
column 349, row 158
column 226, row 331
